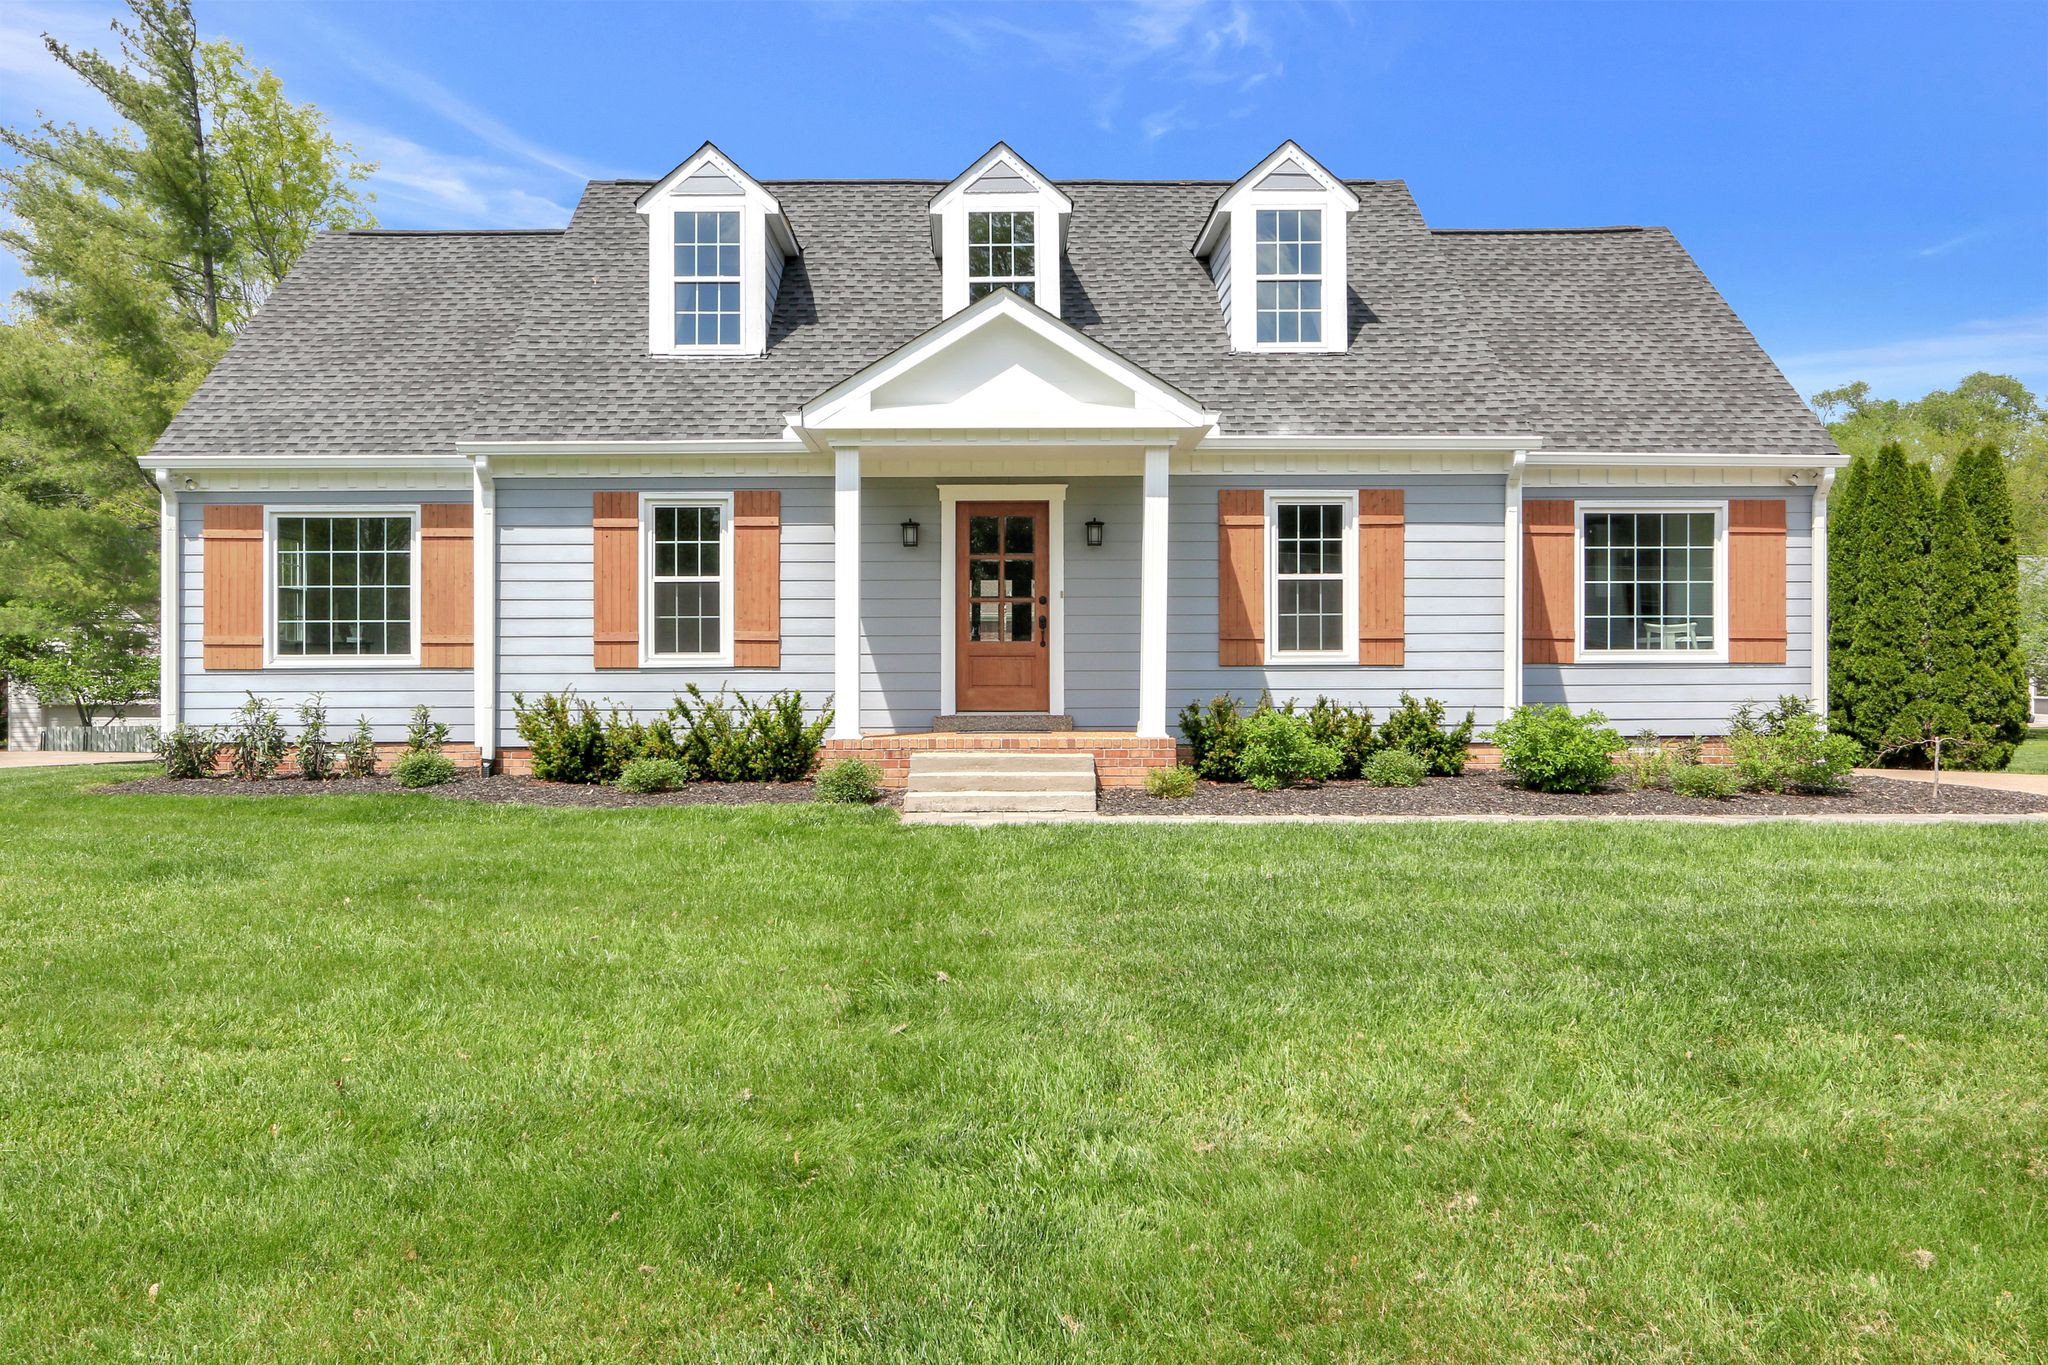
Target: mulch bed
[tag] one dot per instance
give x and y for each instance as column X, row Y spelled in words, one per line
column 525, row 791
column 1488, row 794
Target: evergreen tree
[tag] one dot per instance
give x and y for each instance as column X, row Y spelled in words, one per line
column 1887, row 655
column 1845, row 549
column 1999, row 698
column 1955, row 595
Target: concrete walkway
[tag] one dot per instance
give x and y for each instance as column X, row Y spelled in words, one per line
column 2034, row 783
column 46, row 758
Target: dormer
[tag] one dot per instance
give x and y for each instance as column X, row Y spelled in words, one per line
column 1274, row 245
column 1000, row 224
column 716, row 244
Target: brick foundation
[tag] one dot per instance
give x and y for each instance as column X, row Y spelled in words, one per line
column 465, row 757
column 1121, row 760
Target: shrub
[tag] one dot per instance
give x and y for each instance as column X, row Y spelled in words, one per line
column 566, row 737
column 1345, row 730
column 1215, row 736
column 645, row 775
column 1548, row 749
column 1704, row 781
column 710, row 740
column 1171, row 784
column 1278, row 752
column 1791, row 752
column 781, row 745
column 850, row 782
column 1395, row 768
column 1645, row 763
column 425, row 735
column 316, row 751
column 188, row 751
column 359, row 757
column 423, row 768
column 256, row 741
column 1418, row 727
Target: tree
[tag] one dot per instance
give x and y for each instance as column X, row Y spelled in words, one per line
column 1955, row 597
column 1845, row 551
column 145, row 249
column 1999, row 695
column 93, row 672
column 1887, row 654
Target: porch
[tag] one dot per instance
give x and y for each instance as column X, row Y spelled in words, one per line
column 1122, row 758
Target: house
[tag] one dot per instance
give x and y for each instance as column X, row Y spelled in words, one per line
column 995, row 453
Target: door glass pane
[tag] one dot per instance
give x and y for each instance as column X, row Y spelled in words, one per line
column 981, row 535
column 981, row 578
column 984, row 621
column 1020, row 622
column 1017, row 577
column 1017, row 534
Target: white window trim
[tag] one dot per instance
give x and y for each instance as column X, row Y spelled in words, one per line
column 1275, row 499
column 649, row 502
column 271, row 658
column 1321, row 278
column 1045, row 238
column 664, row 235
column 1009, row 281
column 1244, row 279
column 1719, row 653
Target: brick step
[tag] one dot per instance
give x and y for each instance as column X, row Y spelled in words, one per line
column 954, row 761
column 1004, row 781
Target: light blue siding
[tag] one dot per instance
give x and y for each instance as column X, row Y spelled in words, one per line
column 544, row 593
column 1219, row 271
column 1453, row 598
column 1683, row 698
column 385, row 695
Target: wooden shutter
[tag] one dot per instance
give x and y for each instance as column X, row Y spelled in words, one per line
column 1756, row 581
column 1549, row 530
column 1382, row 576
column 231, row 539
column 757, row 578
column 447, row 585
column 615, row 580
column 1240, row 577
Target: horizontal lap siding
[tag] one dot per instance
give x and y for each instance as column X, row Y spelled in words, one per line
column 544, row 597
column 1452, row 597
column 1689, row 698
column 385, row 695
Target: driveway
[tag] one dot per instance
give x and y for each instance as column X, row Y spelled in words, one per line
column 45, row 758
column 2037, row 783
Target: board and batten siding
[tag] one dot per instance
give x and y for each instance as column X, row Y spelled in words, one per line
column 385, row 694
column 1452, row 599
column 1681, row 697
column 544, row 598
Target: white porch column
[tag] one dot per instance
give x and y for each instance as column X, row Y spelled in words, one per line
column 1511, row 589
column 1152, row 565
column 484, row 607
column 170, row 619
column 846, row 594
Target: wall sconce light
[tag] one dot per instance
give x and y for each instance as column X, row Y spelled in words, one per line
column 910, row 534
column 1094, row 528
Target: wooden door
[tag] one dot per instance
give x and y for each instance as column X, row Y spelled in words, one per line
column 1003, row 596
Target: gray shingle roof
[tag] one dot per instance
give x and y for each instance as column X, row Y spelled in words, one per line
column 400, row 344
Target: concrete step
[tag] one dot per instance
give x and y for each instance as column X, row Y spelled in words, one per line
column 990, row 760
column 1005, row 779
column 920, row 802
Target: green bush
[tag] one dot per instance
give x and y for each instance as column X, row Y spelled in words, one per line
column 256, row 741
column 316, row 751
column 1171, row 784
column 423, row 768
column 1395, row 768
column 1345, row 730
column 1215, row 736
column 1789, row 749
column 1279, row 752
column 1645, row 763
column 1418, row 727
column 711, row 738
column 781, row 745
column 850, row 782
column 627, row 741
column 188, row 751
column 1704, row 781
column 566, row 737
column 425, row 735
column 359, row 756
column 1548, row 749
column 645, row 775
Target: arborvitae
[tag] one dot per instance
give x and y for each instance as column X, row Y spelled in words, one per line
column 1887, row 655
column 1999, row 701
column 1845, row 550
column 1955, row 609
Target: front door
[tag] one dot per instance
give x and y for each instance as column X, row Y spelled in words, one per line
column 1003, row 597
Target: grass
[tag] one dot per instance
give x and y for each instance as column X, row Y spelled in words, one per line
column 2032, row 755
column 399, row 1078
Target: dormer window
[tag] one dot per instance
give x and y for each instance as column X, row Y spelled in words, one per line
column 1001, row 254
column 1290, row 271
column 1275, row 245
column 707, row 249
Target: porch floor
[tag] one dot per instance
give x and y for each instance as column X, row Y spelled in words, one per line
column 1122, row 757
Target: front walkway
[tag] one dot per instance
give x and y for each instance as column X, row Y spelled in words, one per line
column 2034, row 783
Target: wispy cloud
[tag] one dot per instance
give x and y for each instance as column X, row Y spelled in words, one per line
column 1910, row 366
column 1961, row 239
column 32, row 82
column 435, row 188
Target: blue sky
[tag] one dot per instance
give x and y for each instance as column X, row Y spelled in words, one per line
column 1868, row 184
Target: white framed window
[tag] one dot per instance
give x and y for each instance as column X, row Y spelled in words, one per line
column 1653, row 581
column 707, row 278
column 1002, row 253
column 1312, row 577
column 686, row 567
column 1288, row 268
column 341, row 586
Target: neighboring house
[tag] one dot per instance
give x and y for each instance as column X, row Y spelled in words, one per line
column 32, row 725
column 995, row 446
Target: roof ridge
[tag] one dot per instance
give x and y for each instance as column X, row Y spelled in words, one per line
column 453, row 232
column 1541, row 231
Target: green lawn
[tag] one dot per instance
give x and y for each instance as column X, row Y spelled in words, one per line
column 401, row 1078
column 2032, row 756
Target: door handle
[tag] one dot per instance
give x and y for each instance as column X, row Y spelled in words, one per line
column 1041, row 630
